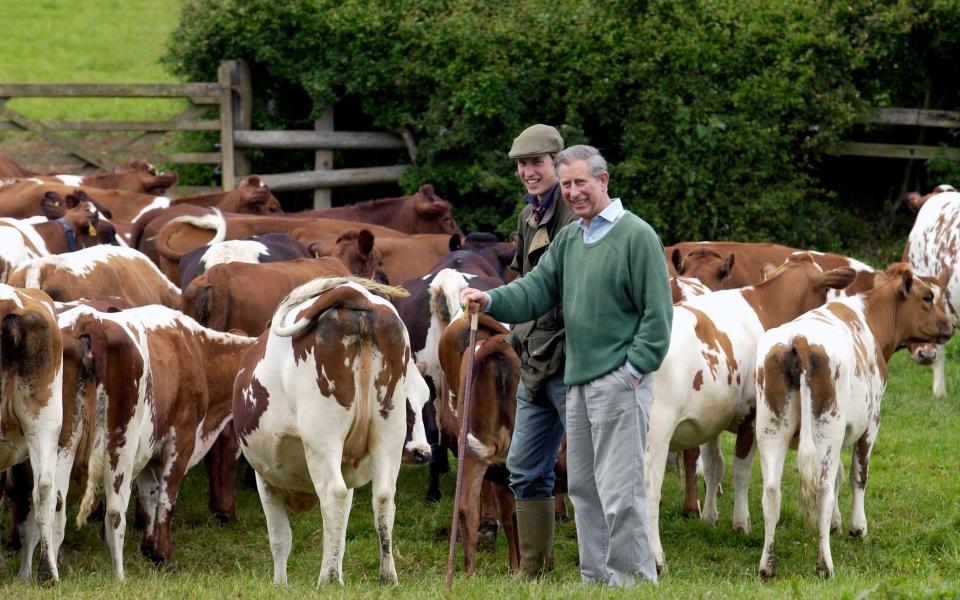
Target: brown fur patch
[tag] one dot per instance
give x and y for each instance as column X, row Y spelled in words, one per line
column 714, row 340
column 698, row 380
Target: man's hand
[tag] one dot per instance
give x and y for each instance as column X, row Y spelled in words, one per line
column 476, row 298
column 634, row 379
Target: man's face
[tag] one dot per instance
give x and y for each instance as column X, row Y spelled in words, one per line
column 585, row 194
column 537, row 174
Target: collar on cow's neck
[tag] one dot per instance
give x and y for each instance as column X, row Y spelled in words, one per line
column 68, row 231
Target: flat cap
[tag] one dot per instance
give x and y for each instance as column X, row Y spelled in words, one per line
column 536, row 140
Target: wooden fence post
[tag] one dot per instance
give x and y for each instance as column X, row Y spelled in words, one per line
column 243, row 112
column 324, row 160
column 227, row 168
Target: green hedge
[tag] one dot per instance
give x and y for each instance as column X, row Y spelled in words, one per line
column 713, row 114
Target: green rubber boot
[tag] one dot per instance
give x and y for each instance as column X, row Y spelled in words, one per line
column 535, row 525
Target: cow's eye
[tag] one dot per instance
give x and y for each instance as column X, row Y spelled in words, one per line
column 928, row 299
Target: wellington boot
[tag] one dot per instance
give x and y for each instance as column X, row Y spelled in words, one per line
column 535, row 524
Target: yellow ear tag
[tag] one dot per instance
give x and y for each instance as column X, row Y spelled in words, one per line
column 91, row 230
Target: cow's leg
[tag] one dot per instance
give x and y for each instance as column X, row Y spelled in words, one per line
column 691, row 498
column 18, row 487
column 836, row 521
column 278, row 529
column 488, row 526
column 324, row 466
column 939, row 373
column 41, row 437
column 773, row 446
column 712, row 474
column 508, row 516
column 818, row 457
column 559, row 507
column 148, row 499
column 221, row 464
column 655, row 462
column 65, row 459
column 29, row 538
column 468, row 507
column 177, row 457
column 384, row 511
column 742, row 465
column 858, row 481
column 116, row 485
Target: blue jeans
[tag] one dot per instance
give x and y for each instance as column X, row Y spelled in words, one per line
column 537, row 433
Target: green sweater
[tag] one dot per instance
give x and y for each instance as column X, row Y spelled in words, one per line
column 615, row 296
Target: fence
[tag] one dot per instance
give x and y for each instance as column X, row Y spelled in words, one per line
column 232, row 98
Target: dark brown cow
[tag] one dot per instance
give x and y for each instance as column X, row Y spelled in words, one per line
column 244, row 296
column 493, row 405
column 97, row 272
column 72, row 225
column 164, row 390
column 423, row 212
column 31, row 376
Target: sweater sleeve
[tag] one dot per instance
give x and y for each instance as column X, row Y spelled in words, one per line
column 533, row 294
column 651, row 292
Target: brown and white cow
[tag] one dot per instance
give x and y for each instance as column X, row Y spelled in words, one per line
column 706, row 382
column 98, row 271
column 244, row 296
column 163, row 392
column 422, row 212
column 137, row 176
column 493, row 403
column 932, row 249
column 31, row 414
column 270, row 247
column 68, row 225
column 320, row 408
column 823, row 375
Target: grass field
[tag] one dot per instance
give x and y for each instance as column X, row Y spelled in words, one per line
column 912, row 549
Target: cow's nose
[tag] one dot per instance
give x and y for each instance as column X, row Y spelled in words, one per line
column 925, row 356
column 421, row 456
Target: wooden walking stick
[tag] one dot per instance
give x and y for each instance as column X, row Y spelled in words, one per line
column 473, row 310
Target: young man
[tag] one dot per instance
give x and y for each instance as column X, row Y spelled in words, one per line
column 610, row 276
column 538, row 428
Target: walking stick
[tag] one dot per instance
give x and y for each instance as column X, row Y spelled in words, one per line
column 473, row 309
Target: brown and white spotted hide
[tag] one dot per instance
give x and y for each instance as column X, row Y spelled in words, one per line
column 821, row 377
column 162, row 391
column 321, row 407
column 31, row 381
column 706, row 382
column 493, row 402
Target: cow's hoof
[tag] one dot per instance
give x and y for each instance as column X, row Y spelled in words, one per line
column 388, row 578
column 433, row 497
column 225, row 518
column 823, row 571
column 767, row 573
column 691, row 513
column 742, row 529
column 487, row 536
column 858, row 533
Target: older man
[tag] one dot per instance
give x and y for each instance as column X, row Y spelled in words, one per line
column 608, row 272
column 538, row 429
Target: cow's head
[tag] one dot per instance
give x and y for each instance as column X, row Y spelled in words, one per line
column 715, row 271
column 143, row 178
column 915, row 201
column 434, row 214
column 920, row 316
column 357, row 251
column 81, row 216
column 795, row 287
column 250, row 196
column 416, row 448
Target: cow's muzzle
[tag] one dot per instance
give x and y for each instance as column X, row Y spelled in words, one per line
column 416, row 455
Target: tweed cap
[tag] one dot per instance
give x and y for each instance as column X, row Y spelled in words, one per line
column 536, row 140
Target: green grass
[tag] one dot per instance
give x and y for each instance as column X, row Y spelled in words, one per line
column 913, row 548
column 87, row 41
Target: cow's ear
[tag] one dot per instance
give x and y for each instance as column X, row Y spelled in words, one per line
column 944, row 278
column 914, row 201
column 726, row 267
column 677, row 259
column 427, row 191
column 837, row 279
column 250, row 180
column 906, row 284
column 365, row 241
column 318, row 249
column 52, row 205
column 73, row 200
column 766, row 271
column 455, row 243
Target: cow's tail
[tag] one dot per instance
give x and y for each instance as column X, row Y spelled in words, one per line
column 211, row 308
column 808, row 461
column 93, row 357
column 355, row 444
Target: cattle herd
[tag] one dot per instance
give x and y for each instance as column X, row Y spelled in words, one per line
column 141, row 334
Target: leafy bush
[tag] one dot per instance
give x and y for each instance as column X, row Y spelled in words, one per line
column 714, row 115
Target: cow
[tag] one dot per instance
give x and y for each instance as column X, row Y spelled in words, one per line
column 493, row 397
column 705, row 384
column 932, row 249
column 162, row 390
column 404, row 256
column 320, row 407
column 10, row 169
column 821, row 377
column 137, row 176
column 31, row 377
column 244, row 296
column 729, row 265
column 98, row 271
column 498, row 254
column 69, row 225
column 423, row 212
column 266, row 248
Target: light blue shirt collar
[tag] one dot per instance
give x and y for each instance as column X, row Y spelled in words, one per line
column 603, row 222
